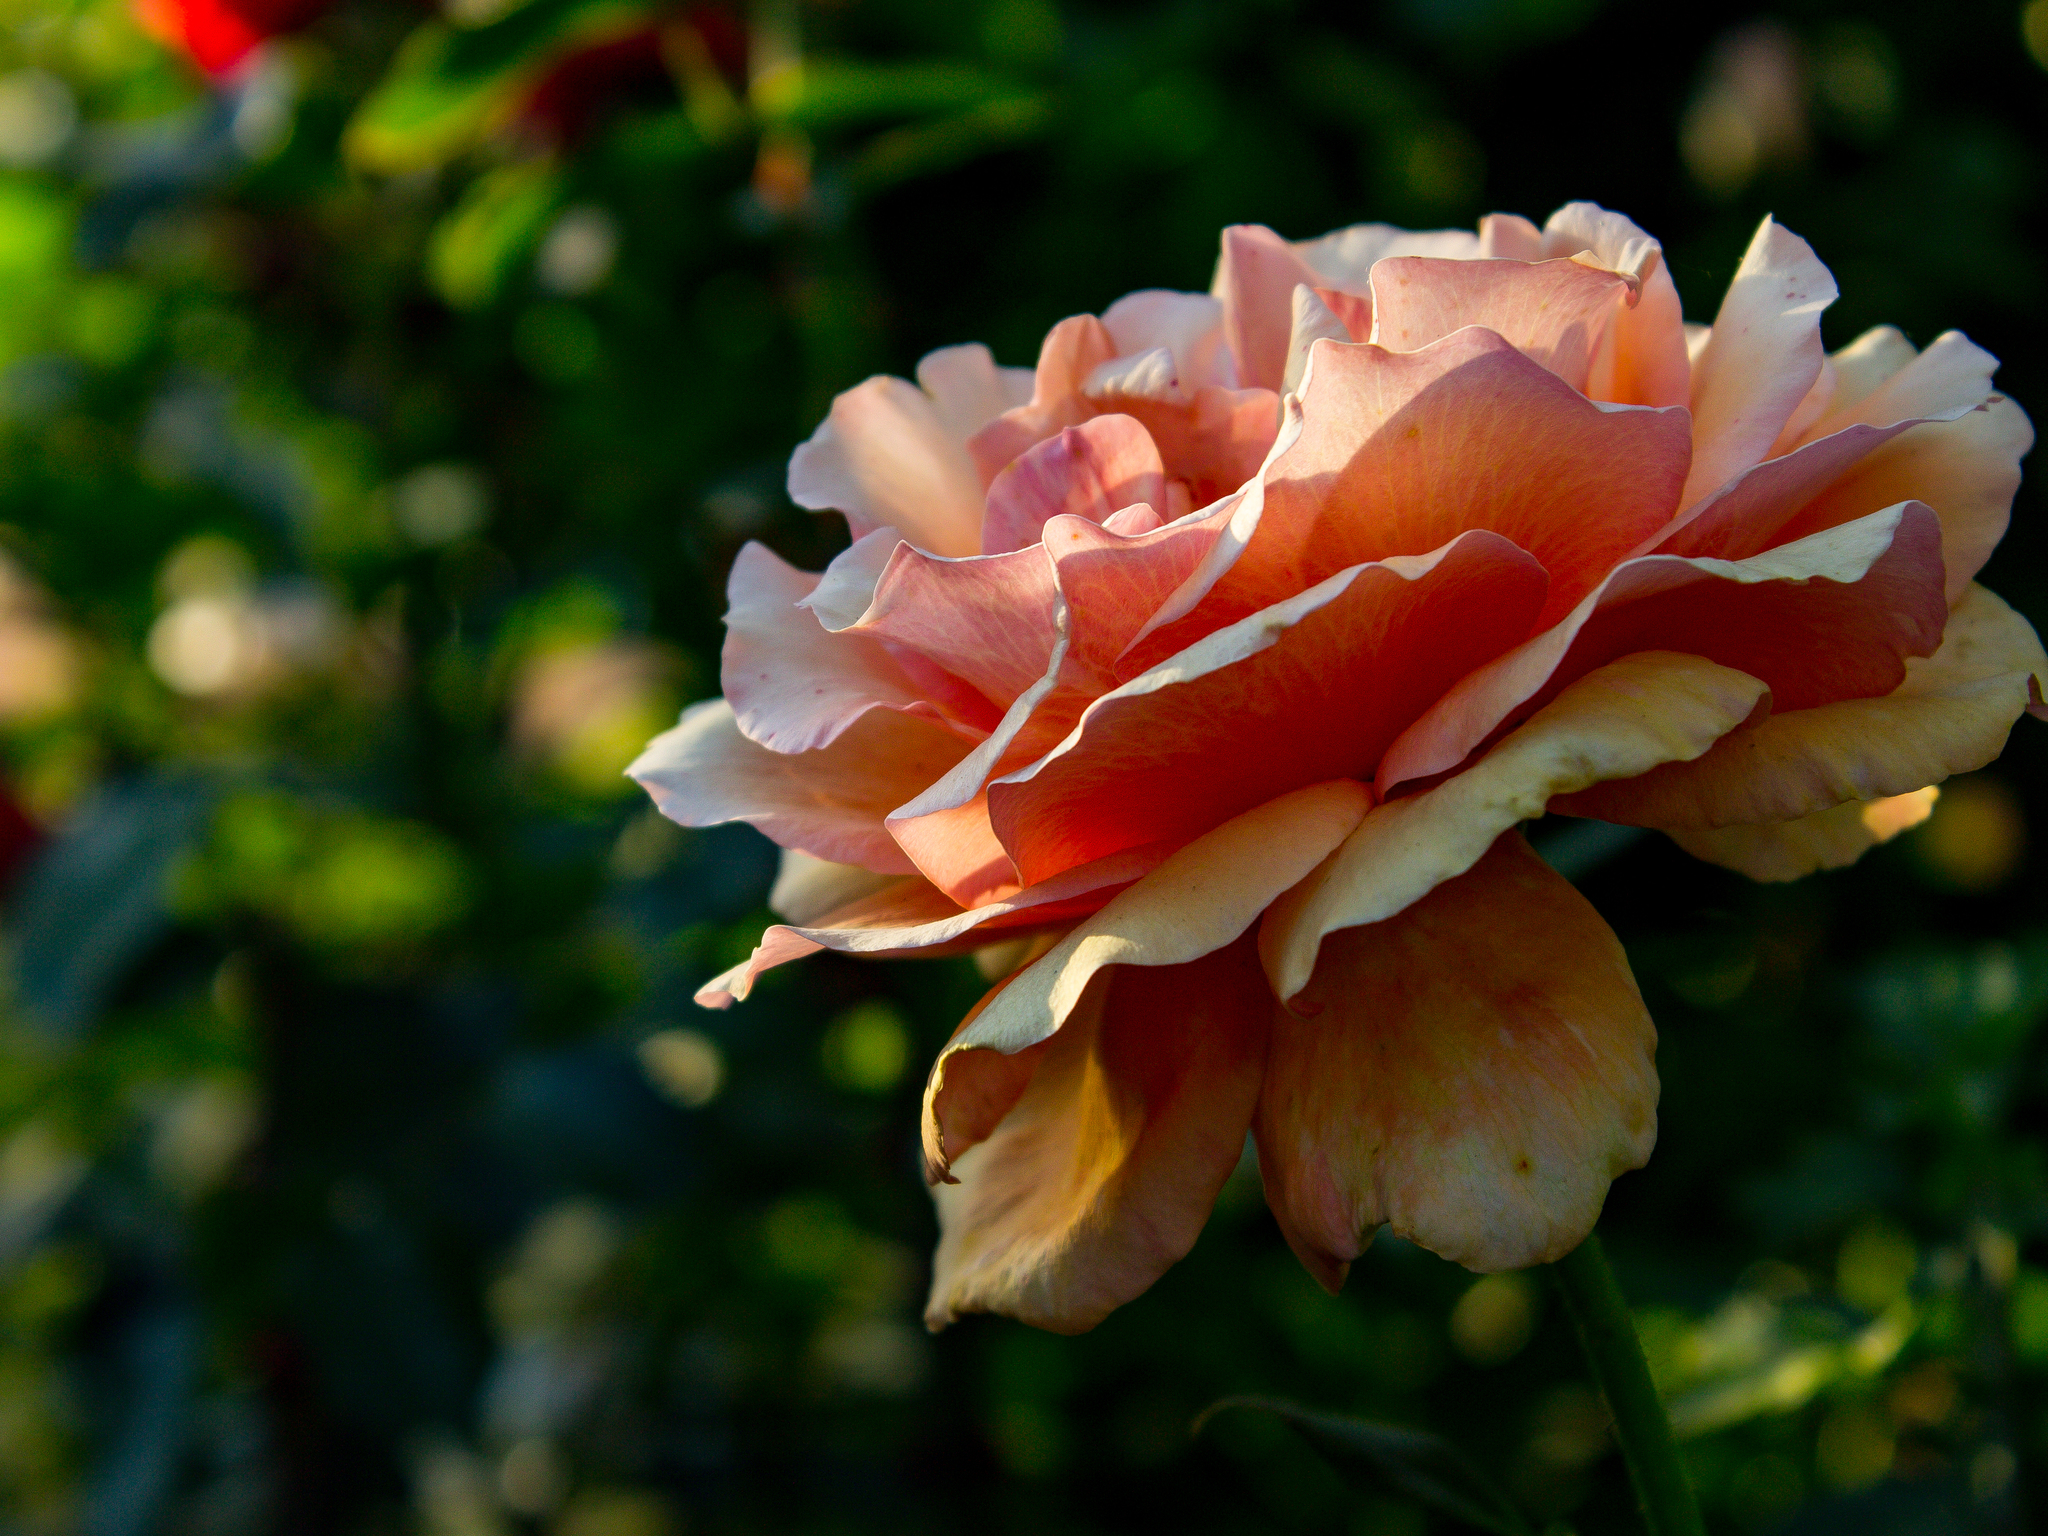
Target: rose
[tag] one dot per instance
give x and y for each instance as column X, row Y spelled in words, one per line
column 1212, row 666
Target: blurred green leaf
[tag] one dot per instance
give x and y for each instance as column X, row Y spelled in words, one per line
column 1387, row 1458
column 500, row 219
column 448, row 87
column 834, row 93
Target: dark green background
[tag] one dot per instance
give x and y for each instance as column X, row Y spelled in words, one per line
column 335, row 1194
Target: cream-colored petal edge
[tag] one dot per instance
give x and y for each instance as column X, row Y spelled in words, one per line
column 1616, row 722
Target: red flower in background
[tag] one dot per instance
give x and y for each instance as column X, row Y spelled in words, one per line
column 218, row 34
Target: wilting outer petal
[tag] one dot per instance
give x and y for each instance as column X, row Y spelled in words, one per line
column 1313, row 688
column 1400, row 452
column 907, row 916
column 1556, row 312
column 1950, row 715
column 1103, row 1173
column 1091, row 471
column 793, row 684
column 829, row 802
column 1643, row 360
column 1200, row 899
column 1787, row 850
column 1474, row 1071
column 1762, row 358
column 884, row 457
column 1831, row 616
column 1614, row 723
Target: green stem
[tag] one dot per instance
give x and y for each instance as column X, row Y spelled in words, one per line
column 1616, row 1357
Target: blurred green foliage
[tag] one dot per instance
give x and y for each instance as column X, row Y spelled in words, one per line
column 377, row 421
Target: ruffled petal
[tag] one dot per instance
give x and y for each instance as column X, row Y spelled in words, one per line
column 1395, row 453
column 1617, row 722
column 1312, row 688
column 1202, row 898
column 1832, row 616
column 794, row 685
column 1071, row 351
column 1109, row 582
column 1556, row 312
column 1256, row 276
column 967, row 388
column 1474, row 1072
column 896, row 916
column 1964, row 463
column 1830, row 839
column 1950, row 715
column 1187, row 327
column 1642, row 360
column 1761, row 359
column 1091, row 471
column 807, row 887
column 885, row 458
column 988, row 620
column 1102, row 1174
column 829, row 802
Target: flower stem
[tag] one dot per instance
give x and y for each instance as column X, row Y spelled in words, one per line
column 1616, row 1357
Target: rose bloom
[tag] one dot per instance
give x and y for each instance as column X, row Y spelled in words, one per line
column 1209, row 669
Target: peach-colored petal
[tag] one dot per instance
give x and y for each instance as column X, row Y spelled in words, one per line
column 1965, row 463
column 1642, row 360
column 987, row 620
column 1394, row 453
column 1557, row 312
column 1830, row 839
column 1761, row 360
column 1204, row 896
column 1832, row 616
column 847, row 587
column 1950, row 715
column 1110, row 582
column 807, row 887
column 901, row 916
column 1474, row 1072
column 1510, row 237
column 1344, row 258
column 1213, row 442
column 1312, row 688
column 1072, row 350
column 1867, row 362
column 1782, row 500
column 794, row 685
column 1258, row 272
column 1315, row 319
column 1255, row 278
column 1186, row 327
column 829, row 802
column 1093, row 470
column 968, row 390
column 1617, row 722
column 1103, row 1173
column 885, row 458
